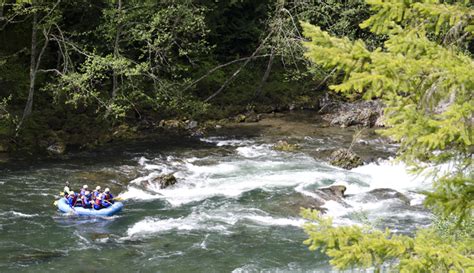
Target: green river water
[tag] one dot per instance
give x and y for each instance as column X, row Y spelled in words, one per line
column 234, row 209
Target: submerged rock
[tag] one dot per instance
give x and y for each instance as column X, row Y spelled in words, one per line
column 332, row 193
column 292, row 204
column 345, row 158
column 385, row 194
column 165, row 180
column 96, row 236
column 37, row 256
column 337, row 191
column 284, row 146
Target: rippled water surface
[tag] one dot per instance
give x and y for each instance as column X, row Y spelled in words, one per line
column 234, row 209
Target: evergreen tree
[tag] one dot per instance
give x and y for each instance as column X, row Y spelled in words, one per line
column 424, row 73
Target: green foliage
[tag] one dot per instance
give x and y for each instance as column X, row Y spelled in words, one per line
column 144, row 46
column 122, row 61
column 427, row 89
column 425, row 78
column 366, row 247
column 7, row 120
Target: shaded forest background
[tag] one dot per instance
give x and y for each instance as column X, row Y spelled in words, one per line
column 82, row 72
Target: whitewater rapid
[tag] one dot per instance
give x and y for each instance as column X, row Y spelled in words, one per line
column 254, row 166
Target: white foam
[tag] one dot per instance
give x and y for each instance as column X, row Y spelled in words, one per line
column 228, row 178
column 271, row 221
column 416, row 199
column 188, row 191
column 135, row 193
column 226, row 142
column 255, row 151
column 142, row 160
column 258, row 166
column 389, row 174
column 24, row 215
column 220, row 219
column 156, row 225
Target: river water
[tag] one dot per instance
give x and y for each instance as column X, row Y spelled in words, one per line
column 234, row 209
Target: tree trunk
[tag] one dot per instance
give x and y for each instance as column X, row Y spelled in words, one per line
column 265, row 76
column 31, row 92
column 35, row 60
column 116, row 52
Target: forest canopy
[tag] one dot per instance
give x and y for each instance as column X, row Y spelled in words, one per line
column 68, row 67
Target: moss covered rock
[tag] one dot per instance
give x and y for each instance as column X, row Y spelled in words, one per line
column 345, row 158
column 284, row 146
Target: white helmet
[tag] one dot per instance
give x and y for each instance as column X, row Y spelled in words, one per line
column 106, row 190
column 97, row 188
column 85, row 187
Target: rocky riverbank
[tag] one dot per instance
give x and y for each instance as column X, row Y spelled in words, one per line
column 286, row 127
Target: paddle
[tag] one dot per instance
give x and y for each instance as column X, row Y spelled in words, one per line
column 118, row 198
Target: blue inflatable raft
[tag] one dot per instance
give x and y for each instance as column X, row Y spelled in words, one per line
column 64, row 207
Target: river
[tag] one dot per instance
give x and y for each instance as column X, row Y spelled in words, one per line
column 234, row 208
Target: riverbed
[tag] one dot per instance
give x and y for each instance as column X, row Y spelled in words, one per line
column 234, row 209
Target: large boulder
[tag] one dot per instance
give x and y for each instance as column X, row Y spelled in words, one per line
column 363, row 113
column 165, row 180
column 345, row 158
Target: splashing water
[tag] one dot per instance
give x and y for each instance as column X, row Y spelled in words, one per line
column 235, row 208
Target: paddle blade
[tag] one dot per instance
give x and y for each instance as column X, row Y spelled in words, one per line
column 119, row 198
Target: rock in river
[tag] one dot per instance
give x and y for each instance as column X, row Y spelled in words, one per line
column 165, row 180
column 284, row 146
column 345, row 158
column 57, row 148
column 385, row 194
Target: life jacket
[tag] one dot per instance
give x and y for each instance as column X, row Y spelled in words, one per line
column 95, row 194
column 72, row 200
column 86, row 203
column 109, row 197
column 105, row 203
column 83, row 192
column 97, row 203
